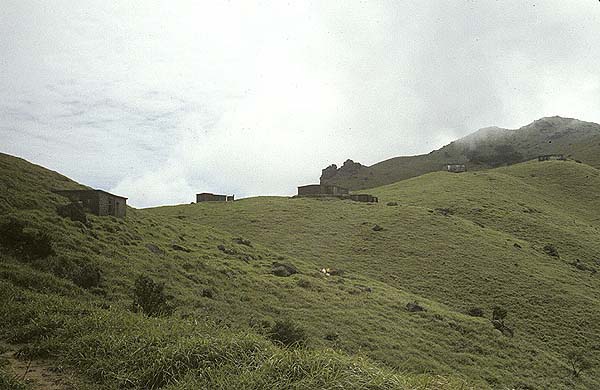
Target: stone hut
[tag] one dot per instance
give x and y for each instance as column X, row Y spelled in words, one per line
column 364, row 198
column 209, row 197
column 456, row 168
column 322, row 190
column 325, row 190
column 97, row 202
column 548, row 157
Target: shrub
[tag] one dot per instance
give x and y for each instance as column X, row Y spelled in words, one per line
column 577, row 362
column 499, row 314
column 31, row 244
column 283, row 269
column 208, row 293
column 87, row 276
column 288, row 333
column 551, row 250
column 150, row 297
column 476, row 312
column 414, row 307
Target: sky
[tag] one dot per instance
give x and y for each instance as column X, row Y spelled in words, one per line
column 160, row 100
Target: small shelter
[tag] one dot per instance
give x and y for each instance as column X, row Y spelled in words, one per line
column 364, row 198
column 97, row 202
column 209, row 197
column 548, row 157
column 331, row 191
column 321, row 190
column 456, row 168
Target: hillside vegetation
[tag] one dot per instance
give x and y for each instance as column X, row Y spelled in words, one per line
column 243, row 279
column 486, row 148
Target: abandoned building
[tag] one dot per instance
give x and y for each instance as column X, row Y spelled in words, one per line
column 456, row 168
column 322, row 190
column 97, row 202
column 548, row 157
column 209, row 197
column 364, row 198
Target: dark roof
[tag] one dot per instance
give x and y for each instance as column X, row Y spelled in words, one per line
column 60, row 192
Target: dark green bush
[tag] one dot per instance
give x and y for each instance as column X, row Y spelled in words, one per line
column 476, row 312
column 150, row 298
column 30, row 244
column 288, row 333
column 87, row 276
column 551, row 250
column 499, row 314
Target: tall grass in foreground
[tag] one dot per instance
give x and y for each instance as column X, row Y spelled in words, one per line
column 115, row 348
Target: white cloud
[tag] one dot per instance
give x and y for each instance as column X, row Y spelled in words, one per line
column 159, row 100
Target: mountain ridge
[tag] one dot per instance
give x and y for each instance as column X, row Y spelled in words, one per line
column 485, row 148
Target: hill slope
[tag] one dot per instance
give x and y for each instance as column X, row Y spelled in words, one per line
column 488, row 147
column 451, row 243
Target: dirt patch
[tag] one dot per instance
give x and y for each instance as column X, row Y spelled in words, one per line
column 39, row 374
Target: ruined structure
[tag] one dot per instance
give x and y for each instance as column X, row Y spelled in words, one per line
column 324, row 190
column 548, row 157
column 456, row 168
column 209, row 197
column 364, row 198
column 321, row 190
column 97, row 202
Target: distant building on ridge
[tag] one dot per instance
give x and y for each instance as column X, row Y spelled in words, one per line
column 325, row 190
column 548, row 157
column 456, row 168
column 209, row 197
column 321, row 189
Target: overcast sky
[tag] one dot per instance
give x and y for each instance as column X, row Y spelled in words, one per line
column 160, row 100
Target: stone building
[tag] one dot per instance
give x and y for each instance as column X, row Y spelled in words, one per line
column 456, row 168
column 364, row 198
column 209, row 197
column 548, row 157
column 97, row 202
column 322, row 190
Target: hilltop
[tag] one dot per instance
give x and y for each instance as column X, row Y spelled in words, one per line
column 486, row 148
column 521, row 238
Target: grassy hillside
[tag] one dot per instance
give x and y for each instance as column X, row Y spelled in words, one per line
column 488, row 147
column 66, row 328
column 449, row 243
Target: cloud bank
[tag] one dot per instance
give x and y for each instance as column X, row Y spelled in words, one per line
column 159, row 100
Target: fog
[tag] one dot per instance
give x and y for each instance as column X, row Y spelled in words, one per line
column 160, row 100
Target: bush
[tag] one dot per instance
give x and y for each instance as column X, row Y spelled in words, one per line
column 150, row 298
column 499, row 314
column 578, row 362
column 476, row 312
column 414, row 307
column 551, row 250
column 87, row 276
column 288, row 333
column 31, row 244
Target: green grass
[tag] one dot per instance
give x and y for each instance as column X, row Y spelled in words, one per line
column 449, row 245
